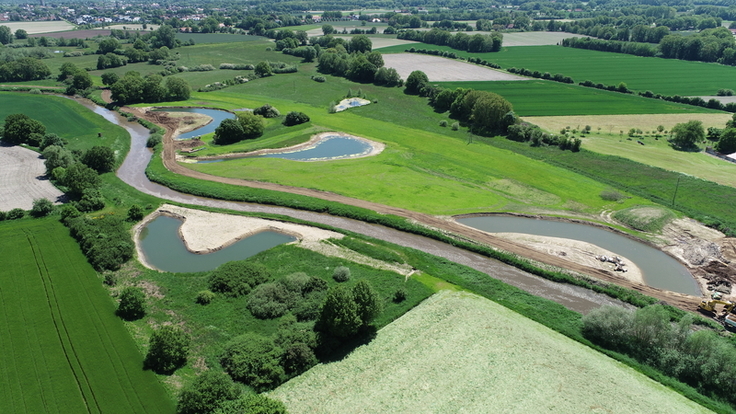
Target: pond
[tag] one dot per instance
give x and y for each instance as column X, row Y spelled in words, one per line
column 165, row 250
column 216, row 114
column 658, row 269
column 331, row 147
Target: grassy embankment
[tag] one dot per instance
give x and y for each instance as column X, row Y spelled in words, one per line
column 466, row 350
column 64, row 350
column 663, row 76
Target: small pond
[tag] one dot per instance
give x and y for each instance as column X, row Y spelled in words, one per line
column 165, row 250
column 216, row 114
column 659, row 269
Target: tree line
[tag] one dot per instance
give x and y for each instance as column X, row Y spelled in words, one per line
column 477, row 43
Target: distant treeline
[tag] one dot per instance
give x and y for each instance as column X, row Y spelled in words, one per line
column 461, row 41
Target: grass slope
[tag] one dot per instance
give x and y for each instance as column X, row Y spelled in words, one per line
column 457, row 352
column 663, row 76
column 545, row 98
column 64, row 351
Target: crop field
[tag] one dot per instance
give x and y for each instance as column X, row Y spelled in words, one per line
column 19, row 182
column 440, row 69
column 457, row 352
column 68, row 119
column 64, row 350
column 535, row 38
column 663, row 76
column 200, row 38
column 39, row 27
column 546, row 98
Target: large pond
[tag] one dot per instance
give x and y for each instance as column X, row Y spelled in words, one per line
column 659, row 269
column 216, row 114
column 165, row 250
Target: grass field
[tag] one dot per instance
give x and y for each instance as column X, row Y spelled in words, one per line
column 68, row 119
column 200, row 38
column 656, row 152
column 64, row 350
column 663, row 76
column 545, row 98
column 458, row 352
column 39, row 27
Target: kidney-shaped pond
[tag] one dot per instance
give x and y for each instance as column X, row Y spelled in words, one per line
column 331, row 147
column 165, row 250
column 659, row 269
column 216, row 114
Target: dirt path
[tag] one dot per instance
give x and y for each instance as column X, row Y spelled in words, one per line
column 169, row 157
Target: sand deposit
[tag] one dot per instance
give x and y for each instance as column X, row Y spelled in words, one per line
column 440, row 69
column 22, row 179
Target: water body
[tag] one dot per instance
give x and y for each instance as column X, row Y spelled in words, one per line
column 165, row 250
column 333, row 147
column 659, row 269
column 216, row 114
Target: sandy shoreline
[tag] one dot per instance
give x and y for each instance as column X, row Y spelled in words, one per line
column 376, row 148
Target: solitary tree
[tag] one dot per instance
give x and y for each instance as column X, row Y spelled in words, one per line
column 687, row 135
column 415, row 82
column 21, row 34
column 727, row 143
column 99, row 158
column 132, row 304
column 263, row 69
column 167, row 350
column 6, row 36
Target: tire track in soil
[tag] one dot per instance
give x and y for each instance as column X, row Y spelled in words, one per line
column 64, row 338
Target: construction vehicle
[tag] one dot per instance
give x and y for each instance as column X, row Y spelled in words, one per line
column 710, row 305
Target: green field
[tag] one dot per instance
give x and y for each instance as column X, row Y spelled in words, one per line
column 545, row 98
column 663, row 76
column 457, row 352
column 64, row 350
column 68, row 119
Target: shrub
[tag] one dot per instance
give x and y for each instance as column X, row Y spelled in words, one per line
column 15, row 214
column 3, row 215
column 205, row 297
column 92, row 200
column 132, row 304
column 267, row 111
column 167, row 350
column 35, row 91
column 135, row 213
column 237, row 278
column 253, row 360
column 154, row 140
column 110, row 279
column 252, row 404
column 105, row 241
column 208, row 391
column 341, row 274
column 319, row 79
column 443, row 123
column 202, row 68
column 295, row 118
column 612, row 195
column 271, row 300
column 42, row 207
column 455, row 126
column 400, row 295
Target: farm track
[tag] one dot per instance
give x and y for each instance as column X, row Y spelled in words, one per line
column 578, row 299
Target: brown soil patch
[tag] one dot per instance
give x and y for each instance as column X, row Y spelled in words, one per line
column 440, row 69
column 682, row 301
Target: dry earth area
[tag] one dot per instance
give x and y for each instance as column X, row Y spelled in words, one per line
column 439, row 69
column 40, row 27
column 535, row 38
column 205, row 232
column 458, row 352
column 615, row 123
column 20, row 179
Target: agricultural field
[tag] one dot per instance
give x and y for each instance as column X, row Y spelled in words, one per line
column 546, row 98
column 39, row 27
column 440, row 69
column 662, row 76
column 19, row 182
column 535, row 38
column 200, row 38
column 457, row 352
column 64, row 350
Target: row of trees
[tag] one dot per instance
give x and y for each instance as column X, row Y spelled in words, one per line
column 477, row 43
column 358, row 67
column 133, row 88
column 24, row 69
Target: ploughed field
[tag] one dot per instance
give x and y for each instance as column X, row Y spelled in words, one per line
column 64, row 350
column 457, row 352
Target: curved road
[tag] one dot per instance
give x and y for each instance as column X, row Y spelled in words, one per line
column 132, row 172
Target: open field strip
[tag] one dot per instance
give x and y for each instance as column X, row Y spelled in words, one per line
column 609, row 140
column 547, row 98
column 39, row 27
column 19, row 182
column 439, row 69
column 536, row 38
column 663, row 76
column 64, row 350
column 420, row 170
column 457, row 352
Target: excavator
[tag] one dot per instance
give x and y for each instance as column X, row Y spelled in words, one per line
column 725, row 317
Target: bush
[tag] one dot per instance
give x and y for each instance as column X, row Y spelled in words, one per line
column 15, row 214
column 271, row 300
column 132, row 304
column 105, row 241
column 400, row 295
column 295, row 118
column 92, row 200
column 455, row 126
column 253, row 360
column 612, row 195
column 443, row 123
column 319, row 79
column 154, row 140
column 42, row 207
column 267, row 111
column 341, row 274
column 252, row 404
column 235, row 279
column 205, row 297
column 167, row 350
column 208, row 391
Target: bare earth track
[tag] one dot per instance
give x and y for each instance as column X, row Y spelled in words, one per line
column 20, row 179
column 440, row 69
column 682, row 301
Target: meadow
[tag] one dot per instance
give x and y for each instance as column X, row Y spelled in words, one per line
column 546, row 98
column 430, row 360
column 662, row 76
column 64, row 350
